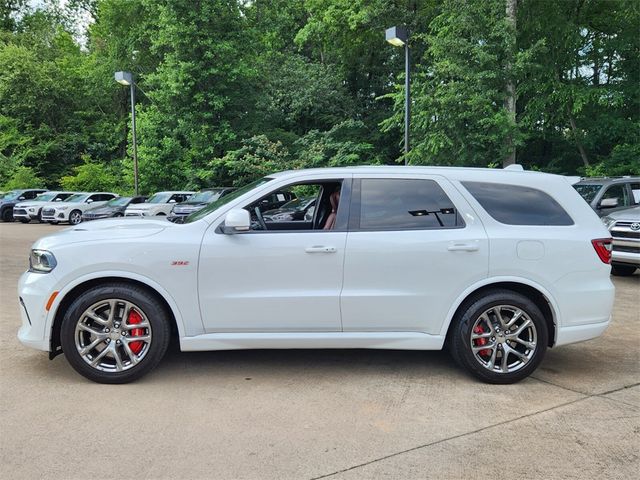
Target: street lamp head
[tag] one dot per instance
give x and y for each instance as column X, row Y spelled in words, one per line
column 124, row 78
column 397, row 36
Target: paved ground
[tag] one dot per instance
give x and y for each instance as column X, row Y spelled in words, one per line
column 318, row 414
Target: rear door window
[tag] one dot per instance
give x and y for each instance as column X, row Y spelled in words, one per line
column 518, row 205
column 405, row 204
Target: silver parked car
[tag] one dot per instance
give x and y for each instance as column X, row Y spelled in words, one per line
column 625, row 230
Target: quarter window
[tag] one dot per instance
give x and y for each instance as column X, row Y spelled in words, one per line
column 405, row 204
column 518, row 205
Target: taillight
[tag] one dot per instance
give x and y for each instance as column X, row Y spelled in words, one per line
column 603, row 248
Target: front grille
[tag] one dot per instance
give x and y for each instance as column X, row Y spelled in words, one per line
column 133, row 214
column 624, row 233
column 19, row 211
column 619, row 248
column 48, row 211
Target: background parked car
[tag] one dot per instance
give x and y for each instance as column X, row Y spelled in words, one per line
column 71, row 209
column 113, row 208
column 159, row 203
column 606, row 195
column 625, row 230
column 196, row 202
column 297, row 209
column 32, row 209
column 10, row 199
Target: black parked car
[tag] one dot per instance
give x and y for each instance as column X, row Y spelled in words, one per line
column 297, row 209
column 196, row 202
column 10, row 199
column 113, row 208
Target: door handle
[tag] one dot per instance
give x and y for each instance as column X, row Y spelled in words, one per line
column 463, row 247
column 320, row 249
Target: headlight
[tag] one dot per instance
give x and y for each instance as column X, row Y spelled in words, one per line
column 608, row 221
column 62, row 208
column 41, row 261
column 32, row 209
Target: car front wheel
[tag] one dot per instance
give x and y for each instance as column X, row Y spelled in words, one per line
column 75, row 217
column 115, row 333
column 499, row 337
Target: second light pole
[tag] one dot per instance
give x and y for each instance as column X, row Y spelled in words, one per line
column 398, row 36
column 126, row 78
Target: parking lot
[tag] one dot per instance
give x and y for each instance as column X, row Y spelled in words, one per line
column 319, row 414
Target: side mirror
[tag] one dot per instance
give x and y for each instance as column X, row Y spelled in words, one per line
column 172, row 201
column 237, row 220
column 89, row 200
column 609, row 203
column 21, row 198
column 58, row 200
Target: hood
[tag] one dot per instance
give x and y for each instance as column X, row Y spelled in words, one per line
column 631, row 214
column 31, row 203
column 111, row 229
column 145, row 206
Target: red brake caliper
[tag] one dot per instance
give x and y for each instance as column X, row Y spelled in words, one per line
column 478, row 330
column 135, row 318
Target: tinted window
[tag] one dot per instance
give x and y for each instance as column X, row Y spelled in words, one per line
column 588, row 191
column 398, row 204
column 635, row 190
column 518, row 205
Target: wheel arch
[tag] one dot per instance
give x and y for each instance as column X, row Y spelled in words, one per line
column 539, row 295
column 66, row 298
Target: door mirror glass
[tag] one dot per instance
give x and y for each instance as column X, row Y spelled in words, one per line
column 237, row 220
column 609, row 203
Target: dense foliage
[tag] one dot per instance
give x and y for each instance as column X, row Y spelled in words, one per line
column 229, row 90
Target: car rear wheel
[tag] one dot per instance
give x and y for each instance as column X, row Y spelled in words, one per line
column 622, row 270
column 499, row 337
column 75, row 217
column 115, row 333
column 24, row 220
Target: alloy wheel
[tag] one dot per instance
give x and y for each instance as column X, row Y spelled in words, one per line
column 75, row 218
column 503, row 339
column 113, row 335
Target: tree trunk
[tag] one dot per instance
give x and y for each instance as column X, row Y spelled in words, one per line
column 576, row 136
column 510, row 87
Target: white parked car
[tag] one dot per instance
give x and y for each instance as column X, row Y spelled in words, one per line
column 498, row 264
column 31, row 210
column 159, row 204
column 71, row 209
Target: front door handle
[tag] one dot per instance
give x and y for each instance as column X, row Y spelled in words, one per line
column 320, row 249
column 463, row 247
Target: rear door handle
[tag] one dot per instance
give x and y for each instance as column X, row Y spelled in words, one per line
column 320, row 249
column 463, row 247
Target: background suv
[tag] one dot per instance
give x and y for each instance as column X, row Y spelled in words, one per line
column 625, row 230
column 197, row 201
column 606, row 195
column 113, row 208
column 71, row 209
column 159, row 204
column 31, row 210
column 10, row 199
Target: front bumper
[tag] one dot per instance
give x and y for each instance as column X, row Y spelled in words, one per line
column 21, row 213
column 55, row 215
column 88, row 217
column 34, row 290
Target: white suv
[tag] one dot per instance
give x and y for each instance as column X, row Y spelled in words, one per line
column 71, row 209
column 159, row 204
column 497, row 264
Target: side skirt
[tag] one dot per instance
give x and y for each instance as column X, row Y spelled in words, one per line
column 376, row 340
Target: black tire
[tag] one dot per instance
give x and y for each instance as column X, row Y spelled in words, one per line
column 117, row 214
column 460, row 341
column 6, row 215
column 24, row 220
column 161, row 214
column 75, row 217
column 159, row 332
column 622, row 270
column 52, row 223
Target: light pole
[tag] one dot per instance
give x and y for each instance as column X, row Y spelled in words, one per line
column 398, row 36
column 126, row 78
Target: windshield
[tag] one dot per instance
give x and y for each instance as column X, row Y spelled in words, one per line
column 224, row 200
column 299, row 203
column 206, row 196
column 159, row 198
column 588, row 191
column 78, row 197
column 13, row 194
column 118, row 202
column 45, row 197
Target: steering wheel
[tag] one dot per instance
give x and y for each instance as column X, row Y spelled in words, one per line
column 263, row 225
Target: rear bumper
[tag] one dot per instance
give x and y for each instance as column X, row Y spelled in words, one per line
column 580, row 333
